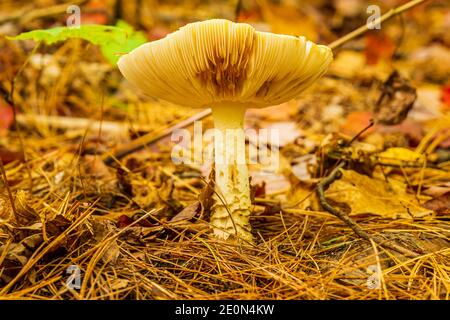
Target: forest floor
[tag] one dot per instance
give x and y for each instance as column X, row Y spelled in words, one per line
column 136, row 227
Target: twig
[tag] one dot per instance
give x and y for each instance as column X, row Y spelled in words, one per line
column 73, row 123
column 27, row 14
column 349, row 221
column 363, row 29
column 150, row 138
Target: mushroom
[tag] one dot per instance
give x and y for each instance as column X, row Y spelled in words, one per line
column 229, row 67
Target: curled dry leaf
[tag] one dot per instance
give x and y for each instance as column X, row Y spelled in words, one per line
column 365, row 195
column 396, row 99
column 17, row 254
column 440, row 204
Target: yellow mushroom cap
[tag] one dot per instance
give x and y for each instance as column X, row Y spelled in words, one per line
column 217, row 62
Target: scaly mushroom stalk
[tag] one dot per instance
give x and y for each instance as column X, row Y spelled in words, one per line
column 231, row 210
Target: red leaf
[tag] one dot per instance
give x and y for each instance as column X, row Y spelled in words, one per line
column 445, row 95
column 124, row 221
column 441, row 204
column 6, row 116
column 378, row 46
column 260, row 190
column 356, row 122
column 8, row 156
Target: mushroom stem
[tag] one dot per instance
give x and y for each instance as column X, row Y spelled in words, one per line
column 231, row 209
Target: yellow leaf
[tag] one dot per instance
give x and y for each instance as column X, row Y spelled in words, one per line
column 400, row 156
column 288, row 19
column 367, row 195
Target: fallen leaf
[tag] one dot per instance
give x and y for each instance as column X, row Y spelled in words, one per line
column 365, row 195
column 258, row 190
column 124, row 221
column 378, row 46
column 438, row 190
column 6, row 116
column 97, row 13
column 400, row 156
column 187, row 213
column 445, row 95
column 348, row 64
column 206, row 196
column 288, row 19
column 356, row 122
column 118, row 284
column 111, row 252
column 440, row 205
column 396, row 100
column 102, row 231
column 8, row 156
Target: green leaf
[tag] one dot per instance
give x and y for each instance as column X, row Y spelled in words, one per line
column 112, row 49
column 96, row 34
column 112, row 40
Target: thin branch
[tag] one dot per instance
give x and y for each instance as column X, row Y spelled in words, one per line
column 363, row 29
column 334, row 175
column 28, row 13
column 152, row 137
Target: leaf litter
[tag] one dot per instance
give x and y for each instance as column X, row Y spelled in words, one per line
column 137, row 228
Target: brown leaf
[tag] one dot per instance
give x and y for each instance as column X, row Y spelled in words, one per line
column 8, row 156
column 124, row 221
column 124, row 182
column 187, row 213
column 57, row 225
column 396, row 100
column 102, row 230
column 206, row 196
column 258, row 190
column 440, row 205
column 17, row 254
column 111, row 253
